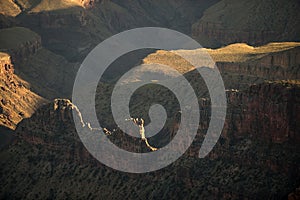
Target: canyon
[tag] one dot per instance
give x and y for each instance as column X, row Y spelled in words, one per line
column 255, row 45
column 253, row 156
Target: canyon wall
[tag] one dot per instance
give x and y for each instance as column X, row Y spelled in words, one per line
column 258, row 144
column 16, row 100
column 253, row 22
column 228, row 36
column 269, row 111
column 281, row 65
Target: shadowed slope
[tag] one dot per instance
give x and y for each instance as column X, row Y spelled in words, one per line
column 253, row 22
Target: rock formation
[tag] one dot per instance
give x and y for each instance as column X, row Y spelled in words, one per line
column 269, row 111
column 253, row 22
column 257, row 155
column 241, row 153
column 16, row 100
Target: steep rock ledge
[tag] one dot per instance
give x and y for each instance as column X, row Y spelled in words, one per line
column 16, row 100
column 280, row 65
column 269, row 111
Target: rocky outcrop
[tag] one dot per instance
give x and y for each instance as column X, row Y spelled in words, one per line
column 57, row 116
column 6, row 67
column 49, row 118
column 88, row 3
column 49, row 74
column 16, row 100
column 69, row 33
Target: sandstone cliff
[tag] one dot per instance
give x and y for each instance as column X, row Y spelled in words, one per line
column 17, row 101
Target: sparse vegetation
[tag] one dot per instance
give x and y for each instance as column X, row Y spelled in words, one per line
column 11, row 38
column 257, row 155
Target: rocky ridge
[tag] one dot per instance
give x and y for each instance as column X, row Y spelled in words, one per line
column 17, row 101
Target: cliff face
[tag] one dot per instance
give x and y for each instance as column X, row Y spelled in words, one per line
column 228, row 36
column 52, row 126
column 50, row 118
column 281, row 65
column 253, row 22
column 268, row 111
column 266, row 159
column 286, row 59
column 16, row 100
column 48, row 74
column 261, row 127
